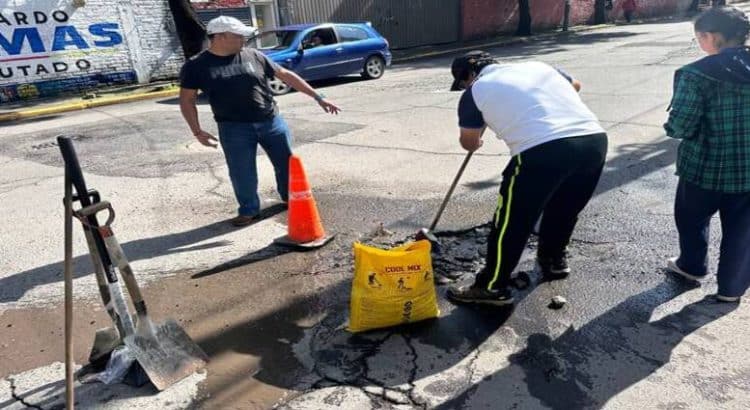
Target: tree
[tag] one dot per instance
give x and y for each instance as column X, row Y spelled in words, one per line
column 190, row 30
column 524, row 18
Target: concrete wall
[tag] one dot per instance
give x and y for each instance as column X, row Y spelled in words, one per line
column 48, row 47
column 483, row 18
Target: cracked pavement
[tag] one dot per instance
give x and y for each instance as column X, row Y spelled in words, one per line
column 273, row 321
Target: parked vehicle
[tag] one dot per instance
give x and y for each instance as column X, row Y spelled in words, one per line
column 319, row 51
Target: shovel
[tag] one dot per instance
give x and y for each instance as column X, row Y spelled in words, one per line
column 109, row 286
column 165, row 352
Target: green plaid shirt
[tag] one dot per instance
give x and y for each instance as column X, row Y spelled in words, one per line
column 712, row 118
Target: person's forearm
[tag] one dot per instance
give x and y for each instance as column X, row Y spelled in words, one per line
column 471, row 141
column 190, row 114
column 296, row 82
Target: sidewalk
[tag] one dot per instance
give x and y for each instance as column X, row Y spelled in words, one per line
column 96, row 98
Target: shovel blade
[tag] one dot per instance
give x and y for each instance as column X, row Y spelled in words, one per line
column 427, row 235
column 168, row 357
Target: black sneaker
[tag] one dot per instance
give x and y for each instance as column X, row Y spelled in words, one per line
column 243, row 220
column 471, row 294
column 553, row 268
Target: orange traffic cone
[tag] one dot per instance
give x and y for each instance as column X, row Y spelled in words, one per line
column 304, row 227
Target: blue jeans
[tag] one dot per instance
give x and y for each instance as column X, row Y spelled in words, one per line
column 240, row 140
column 693, row 209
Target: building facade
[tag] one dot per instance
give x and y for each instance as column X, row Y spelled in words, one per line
column 404, row 23
column 411, row 23
column 483, row 18
column 48, row 47
column 262, row 14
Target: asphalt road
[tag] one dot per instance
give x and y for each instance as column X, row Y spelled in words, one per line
column 631, row 336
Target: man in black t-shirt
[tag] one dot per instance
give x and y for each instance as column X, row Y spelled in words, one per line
column 235, row 80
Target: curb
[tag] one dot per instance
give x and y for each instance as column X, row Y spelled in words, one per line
column 82, row 105
column 505, row 42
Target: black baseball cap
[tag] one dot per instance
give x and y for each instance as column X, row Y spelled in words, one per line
column 463, row 65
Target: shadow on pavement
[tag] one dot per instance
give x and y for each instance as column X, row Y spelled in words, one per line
column 585, row 367
column 13, row 287
column 635, row 161
column 52, row 395
column 269, row 252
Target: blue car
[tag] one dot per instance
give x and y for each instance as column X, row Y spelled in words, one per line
column 318, row 51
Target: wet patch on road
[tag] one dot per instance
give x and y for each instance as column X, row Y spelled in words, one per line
column 387, row 365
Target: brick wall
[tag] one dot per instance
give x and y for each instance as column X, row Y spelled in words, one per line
column 159, row 43
column 48, row 47
column 216, row 4
column 483, row 18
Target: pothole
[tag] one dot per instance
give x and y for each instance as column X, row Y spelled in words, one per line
column 53, row 143
column 460, row 252
column 383, row 363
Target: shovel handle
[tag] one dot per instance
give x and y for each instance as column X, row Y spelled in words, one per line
column 94, row 209
column 450, row 191
column 118, row 256
column 74, row 169
column 101, row 282
column 82, row 194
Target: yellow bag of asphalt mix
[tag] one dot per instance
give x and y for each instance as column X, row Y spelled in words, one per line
column 392, row 287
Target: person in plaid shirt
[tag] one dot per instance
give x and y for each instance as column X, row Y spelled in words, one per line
column 710, row 114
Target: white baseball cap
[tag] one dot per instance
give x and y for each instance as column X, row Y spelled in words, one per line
column 226, row 24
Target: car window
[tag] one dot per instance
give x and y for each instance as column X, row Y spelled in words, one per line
column 347, row 33
column 277, row 39
column 319, row 37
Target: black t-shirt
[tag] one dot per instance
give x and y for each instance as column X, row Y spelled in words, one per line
column 236, row 86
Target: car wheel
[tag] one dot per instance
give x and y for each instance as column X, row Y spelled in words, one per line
column 374, row 68
column 278, row 87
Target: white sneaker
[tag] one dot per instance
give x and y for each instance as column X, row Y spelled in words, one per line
column 672, row 266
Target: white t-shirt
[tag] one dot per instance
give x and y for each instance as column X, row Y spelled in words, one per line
column 526, row 104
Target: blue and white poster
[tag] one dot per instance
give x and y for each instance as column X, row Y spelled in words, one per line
column 49, row 45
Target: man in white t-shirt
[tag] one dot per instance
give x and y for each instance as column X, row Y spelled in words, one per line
column 558, row 151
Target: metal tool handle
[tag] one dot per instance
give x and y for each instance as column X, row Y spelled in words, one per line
column 74, row 168
column 94, row 209
column 97, row 248
column 116, row 315
column 121, row 261
column 450, row 191
column 82, row 194
column 68, row 267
